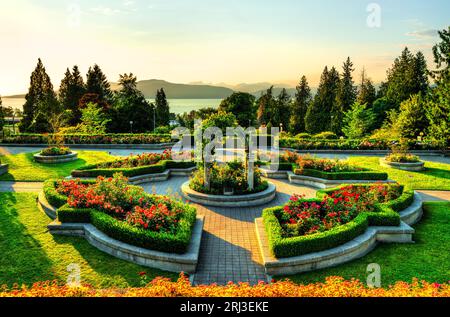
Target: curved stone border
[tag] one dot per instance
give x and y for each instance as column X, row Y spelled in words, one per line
column 56, row 159
column 316, row 182
column 171, row 262
column 3, row 169
column 148, row 178
column 349, row 251
column 236, row 201
column 155, row 146
column 411, row 167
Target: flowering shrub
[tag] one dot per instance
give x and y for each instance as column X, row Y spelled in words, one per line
column 402, row 158
column 305, row 217
column 160, row 287
column 55, row 151
column 115, row 197
column 232, row 175
column 90, row 139
column 138, row 160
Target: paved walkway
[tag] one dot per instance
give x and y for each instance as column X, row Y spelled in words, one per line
column 20, row 187
column 229, row 249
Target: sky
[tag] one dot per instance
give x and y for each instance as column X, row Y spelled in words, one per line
column 212, row 41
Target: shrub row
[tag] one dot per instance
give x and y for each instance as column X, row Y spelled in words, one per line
column 160, row 167
column 89, row 139
column 386, row 214
column 359, row 175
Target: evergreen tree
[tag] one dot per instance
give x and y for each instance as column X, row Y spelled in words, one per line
column 162, row 109
column 132, row 112
column 412, row 118
column 97, row 83
column 441, row 53
column 407, row 77
column 265, row 105
column 242, row 105
column 2, row 115
column 300, row 106
column 358, row 121
column 281, row 110
column 367, row 93
column 319, row 114
column 71, row 91
column 345, row 98
column 40, row 101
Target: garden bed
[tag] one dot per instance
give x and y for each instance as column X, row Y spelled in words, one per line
column 150, row 230
column 3, row 169
column 383, row 222
column 134, row 166
column 233, row 201
column 410, row 166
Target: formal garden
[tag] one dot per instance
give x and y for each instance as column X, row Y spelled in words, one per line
column 98, row 199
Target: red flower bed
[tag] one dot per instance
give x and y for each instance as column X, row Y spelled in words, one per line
column 304, row 217
column 129, row 203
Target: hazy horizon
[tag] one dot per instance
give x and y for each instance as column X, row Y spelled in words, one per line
column 214, row 42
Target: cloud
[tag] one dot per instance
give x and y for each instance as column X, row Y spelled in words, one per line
column 424, row 34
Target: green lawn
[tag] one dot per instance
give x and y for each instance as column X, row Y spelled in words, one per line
column 30, row 254
column 22, row 167
column 435, row 177
column 427, row 259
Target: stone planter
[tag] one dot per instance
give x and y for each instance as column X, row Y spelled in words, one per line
column 346, row 252
column 56, row 159
column 3, row 169
column 234, row 201
column 172, row 262
column 411, row 167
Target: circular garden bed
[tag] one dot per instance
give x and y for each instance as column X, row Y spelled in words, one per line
column 55, row 155
column 228, row 187
column 405, row 162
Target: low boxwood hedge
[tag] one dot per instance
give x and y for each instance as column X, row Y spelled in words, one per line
column 121, row 230
column 386, row 214
column 359, row 175
column 160, row 167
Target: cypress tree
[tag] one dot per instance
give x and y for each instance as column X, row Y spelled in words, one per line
column 300, row 106
column 162, row 109
column 71, row 91
column 367, row 93
column 40, row 101
column 345, row 97
column 97, row 83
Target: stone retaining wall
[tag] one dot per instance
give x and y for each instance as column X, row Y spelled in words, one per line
column 171, row 262
column 56, row 159
column 314, row 181
column 410, row 167
column 234, row 201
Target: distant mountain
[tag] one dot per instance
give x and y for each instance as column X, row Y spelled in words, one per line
column 182, row 91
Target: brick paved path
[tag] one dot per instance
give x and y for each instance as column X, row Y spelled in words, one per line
column 229, row 249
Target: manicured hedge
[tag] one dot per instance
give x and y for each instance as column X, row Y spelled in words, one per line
column 121, row 230
column 359, row 175
column 125, row 138
column 160, row 167
column 386, row 214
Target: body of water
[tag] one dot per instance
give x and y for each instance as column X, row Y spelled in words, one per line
column 176, row 105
